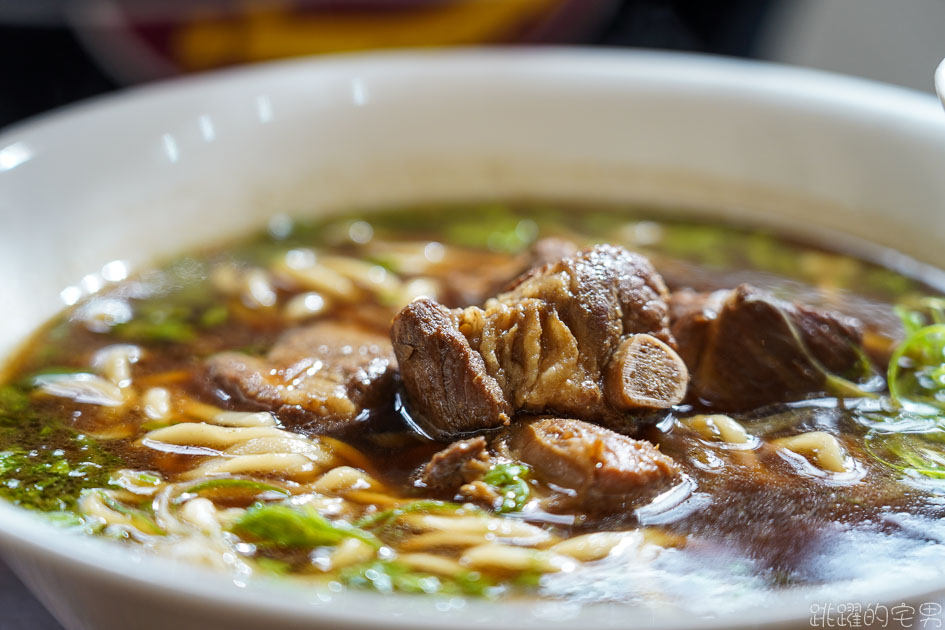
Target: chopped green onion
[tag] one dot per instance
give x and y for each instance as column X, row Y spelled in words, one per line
column 139, row 518
column 214, row 316
column 271, row 565
column 387, row 576
column 230, row 483
column 148, row 479
column 387, row 517
column 509, row 481
column 13, row 400
column 63, row 518
column 917, row 368
column 913, row 454
column 36, row 476
column 279, row 525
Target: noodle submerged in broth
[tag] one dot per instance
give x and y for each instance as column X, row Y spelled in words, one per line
column 719, row 415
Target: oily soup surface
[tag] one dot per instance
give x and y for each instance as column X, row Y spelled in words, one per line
column 111, row 423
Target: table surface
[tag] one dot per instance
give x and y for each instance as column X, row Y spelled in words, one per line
column 19, row 610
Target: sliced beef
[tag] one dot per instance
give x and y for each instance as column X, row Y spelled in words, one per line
column 585, row 336
column 459, row 463
column 326, row 375
column 745, row 348
column 607, row 471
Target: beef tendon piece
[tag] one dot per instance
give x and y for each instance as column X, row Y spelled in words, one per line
column 585, row 336
column 326, row 375
column 745, row 348
column 607, row 471
column 532, row 355
column 459, row 463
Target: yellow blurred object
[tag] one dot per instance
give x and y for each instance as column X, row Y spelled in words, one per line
column 268, row 33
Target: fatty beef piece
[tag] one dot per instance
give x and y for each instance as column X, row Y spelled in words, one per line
column 586, row 336
column 324, row 376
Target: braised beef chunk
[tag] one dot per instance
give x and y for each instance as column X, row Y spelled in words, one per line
column 609, row 472
column 601, row 292
column 585, row 307
column 590, row 468
column 585, row 336
column 325, row 375
column 450, row 390
column 459, row 463
column 745, row 348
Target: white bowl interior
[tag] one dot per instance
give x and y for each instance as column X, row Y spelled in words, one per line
column 170, row 167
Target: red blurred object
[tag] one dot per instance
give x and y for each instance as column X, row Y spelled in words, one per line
column 138, row 41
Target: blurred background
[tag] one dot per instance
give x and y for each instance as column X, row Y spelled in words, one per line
column 53, row 52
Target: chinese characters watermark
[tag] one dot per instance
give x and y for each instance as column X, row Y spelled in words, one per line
column 927, row 615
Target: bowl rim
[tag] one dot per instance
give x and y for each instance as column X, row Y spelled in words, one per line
column 753, row 75
column 24, row 530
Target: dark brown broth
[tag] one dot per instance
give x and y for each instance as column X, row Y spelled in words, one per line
column 774, row 523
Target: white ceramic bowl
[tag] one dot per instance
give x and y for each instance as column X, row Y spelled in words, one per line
column 160, row 169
